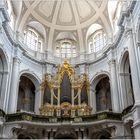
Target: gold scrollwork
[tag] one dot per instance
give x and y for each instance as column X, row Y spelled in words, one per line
column 27, row 117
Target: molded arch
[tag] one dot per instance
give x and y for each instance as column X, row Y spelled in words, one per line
column 38, row 27
column 92, row 29
column 122, row 60
column 32, row 76
column 3, row 78
column 96, row 78
column 66, row 35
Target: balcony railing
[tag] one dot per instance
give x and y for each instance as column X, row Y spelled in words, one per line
column 49, row 56
column 23, row 116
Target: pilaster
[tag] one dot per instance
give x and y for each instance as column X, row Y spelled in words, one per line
column 114, row 86
column 133, row 66
column 37, row 100
column 12, row 106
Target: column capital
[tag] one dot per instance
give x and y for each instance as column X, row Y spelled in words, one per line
column 112, row 61
column 128, row 32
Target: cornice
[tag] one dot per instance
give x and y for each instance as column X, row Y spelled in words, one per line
column 13, row 42
column 127, row 12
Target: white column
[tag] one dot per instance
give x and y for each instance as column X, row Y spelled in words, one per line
column 72, row 96
column 12, row 106
column 58, row 96
column 52, row 93
column 93, row 100
column 135, row 82
column 4, row 87
column 138, row 56
column 133, row 66
column 38, row 96
column 137, row 131
column 79, row 96
column 114, row 87
column 49, row 69
column 82, row 69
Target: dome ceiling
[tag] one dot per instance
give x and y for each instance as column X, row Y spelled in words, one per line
column 65, row 15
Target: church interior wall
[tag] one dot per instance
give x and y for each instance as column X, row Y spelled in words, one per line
column 105, row 95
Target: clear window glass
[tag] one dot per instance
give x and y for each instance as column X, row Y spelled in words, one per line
column 32, row 39
column 97, row 41
column 66, row 49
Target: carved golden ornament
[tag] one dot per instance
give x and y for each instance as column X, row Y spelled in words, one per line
column 27, row 117
column 65, row 104
column 65, row 109
column 54, row 82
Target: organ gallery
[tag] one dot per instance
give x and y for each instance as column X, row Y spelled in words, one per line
column 65, row 94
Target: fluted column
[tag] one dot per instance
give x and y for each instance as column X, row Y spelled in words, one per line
column 133, row 66
column 114, row 86
column 12, row 106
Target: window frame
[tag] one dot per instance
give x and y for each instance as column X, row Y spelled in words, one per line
column 66, row 48
column 32, row 39
column 101, row 40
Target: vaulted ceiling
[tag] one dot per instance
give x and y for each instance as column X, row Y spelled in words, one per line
column 74, row 16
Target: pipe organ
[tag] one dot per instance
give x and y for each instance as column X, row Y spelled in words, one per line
column 65, row 94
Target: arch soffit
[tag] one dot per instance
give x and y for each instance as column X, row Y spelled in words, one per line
column 138, row 30
column 122, row 59
column 97, row 77
column 32, row 76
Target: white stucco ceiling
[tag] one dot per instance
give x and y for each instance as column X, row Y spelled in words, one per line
column 74, row 16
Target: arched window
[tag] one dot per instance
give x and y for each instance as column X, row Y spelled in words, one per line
column 97, row 41
column 66, row 49
column 33, row 40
